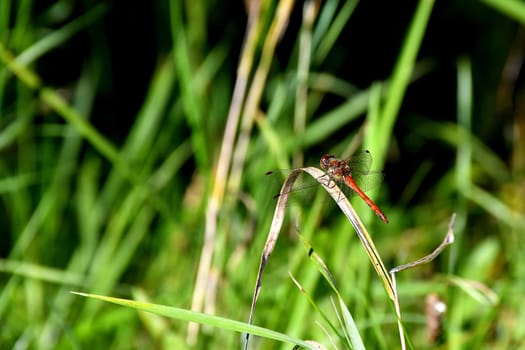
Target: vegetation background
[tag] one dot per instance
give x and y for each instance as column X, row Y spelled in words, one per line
column 116, row 179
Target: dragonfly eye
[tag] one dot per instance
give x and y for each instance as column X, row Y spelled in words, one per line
column 325, row 161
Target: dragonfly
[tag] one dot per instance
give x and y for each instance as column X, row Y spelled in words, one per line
column 352, row 173
column 346, row 172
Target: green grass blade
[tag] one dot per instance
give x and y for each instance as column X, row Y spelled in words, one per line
column 511, row 8
column 403, row 70
column 209, row 320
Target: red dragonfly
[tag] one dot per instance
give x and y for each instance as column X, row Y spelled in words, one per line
column 344, row 171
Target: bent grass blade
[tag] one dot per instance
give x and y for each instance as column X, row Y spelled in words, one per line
column 343, row 203
column 449, row 239
column 273, row 234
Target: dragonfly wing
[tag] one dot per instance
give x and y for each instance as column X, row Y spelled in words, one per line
column 369, row 181
column 365, row 179
column 361, row 162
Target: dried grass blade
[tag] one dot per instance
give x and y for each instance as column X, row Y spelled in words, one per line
column 273, row 234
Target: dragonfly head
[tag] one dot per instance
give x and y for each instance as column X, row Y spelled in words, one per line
column 326, row 161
